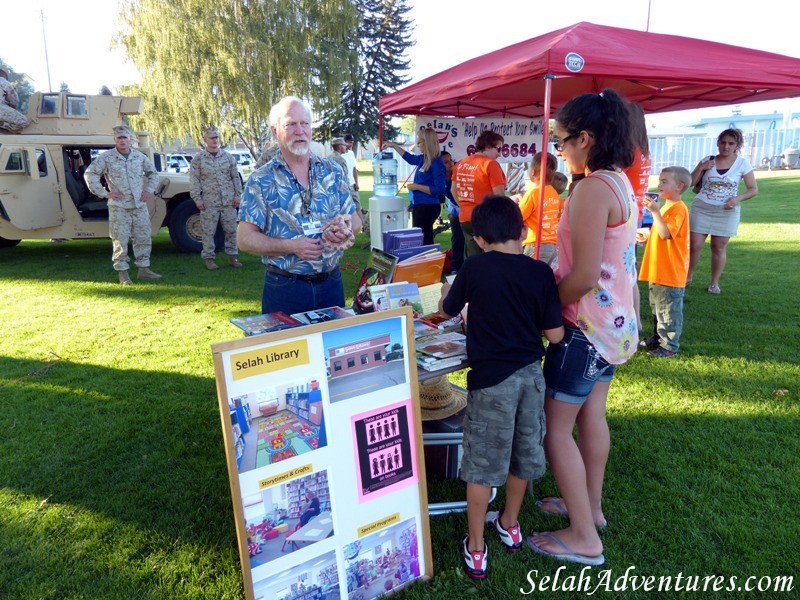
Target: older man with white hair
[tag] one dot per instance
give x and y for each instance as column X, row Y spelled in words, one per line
column 298, row 215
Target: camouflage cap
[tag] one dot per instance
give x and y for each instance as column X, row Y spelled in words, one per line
column 211, row 132
column 123, row 131
column 338, row 141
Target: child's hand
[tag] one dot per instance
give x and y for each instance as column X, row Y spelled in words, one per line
column 650, row 204
column 642, row 235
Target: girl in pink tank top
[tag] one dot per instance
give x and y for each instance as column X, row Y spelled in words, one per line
column 595, row 269
column 606, row 314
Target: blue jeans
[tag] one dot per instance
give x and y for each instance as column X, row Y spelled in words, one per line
column 573, row 366
column 283, row 294
column 667, row 306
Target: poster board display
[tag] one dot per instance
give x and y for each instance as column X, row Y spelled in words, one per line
column 323, row 439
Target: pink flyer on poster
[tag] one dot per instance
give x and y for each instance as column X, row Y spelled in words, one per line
column 384, row 450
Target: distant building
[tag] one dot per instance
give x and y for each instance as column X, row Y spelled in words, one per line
column 713, row 126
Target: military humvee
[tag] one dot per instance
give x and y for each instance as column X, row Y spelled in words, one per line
column 42, row 190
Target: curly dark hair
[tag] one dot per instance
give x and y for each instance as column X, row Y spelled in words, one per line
column 606, row 117
column 736, row 134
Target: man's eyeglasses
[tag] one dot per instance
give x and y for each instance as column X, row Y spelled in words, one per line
column 559, row 144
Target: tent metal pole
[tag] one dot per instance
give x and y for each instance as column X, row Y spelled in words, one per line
column 548, row 87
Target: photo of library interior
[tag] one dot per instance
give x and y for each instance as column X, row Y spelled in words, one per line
column 286, row 517
column 382, row 561
column 275, row 424
column 317, row 579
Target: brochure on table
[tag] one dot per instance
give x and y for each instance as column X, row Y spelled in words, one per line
column 323, row 438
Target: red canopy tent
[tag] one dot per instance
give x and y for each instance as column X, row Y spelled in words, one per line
column 660, row 72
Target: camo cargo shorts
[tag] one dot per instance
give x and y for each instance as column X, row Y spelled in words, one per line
column 504, row 429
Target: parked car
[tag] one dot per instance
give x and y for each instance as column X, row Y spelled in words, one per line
column 178, row 163
column 244, row 162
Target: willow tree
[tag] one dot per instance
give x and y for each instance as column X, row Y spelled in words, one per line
column 227, row 62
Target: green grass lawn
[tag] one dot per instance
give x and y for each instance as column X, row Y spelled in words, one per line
column 113, row 482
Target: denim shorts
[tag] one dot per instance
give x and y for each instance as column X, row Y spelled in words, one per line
column 572, row 366
column 504, row 429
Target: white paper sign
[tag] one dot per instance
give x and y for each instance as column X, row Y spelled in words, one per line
column 522, row 138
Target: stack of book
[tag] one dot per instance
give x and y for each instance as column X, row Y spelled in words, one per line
column 322, row 315
column 258, row 324
column 400, row 239
column 423, row 269
column 438, row 321
column 417, row 263
column 276, row 321
column 441, row 350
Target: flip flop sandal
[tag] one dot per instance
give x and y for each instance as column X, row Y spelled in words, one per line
column 569, row 556
column 561, row 510
column 714, row 289
column 557, row 503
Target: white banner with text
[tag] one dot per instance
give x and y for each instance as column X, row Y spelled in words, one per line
column 522, row 138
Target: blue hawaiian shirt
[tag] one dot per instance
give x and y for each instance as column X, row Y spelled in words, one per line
column 273, row 201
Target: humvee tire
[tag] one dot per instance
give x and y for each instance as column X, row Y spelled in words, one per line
column 186, row 231
column 4, row 243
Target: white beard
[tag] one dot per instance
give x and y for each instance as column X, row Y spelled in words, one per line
column 299, row 151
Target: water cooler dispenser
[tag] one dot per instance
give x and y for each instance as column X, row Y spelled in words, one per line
column 387, row 210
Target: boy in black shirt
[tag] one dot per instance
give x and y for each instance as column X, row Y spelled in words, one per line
column 513, row 301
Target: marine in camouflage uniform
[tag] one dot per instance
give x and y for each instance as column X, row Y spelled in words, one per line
column 131, row 180
column 338, row 156
column 216, row 190
column 10, row 118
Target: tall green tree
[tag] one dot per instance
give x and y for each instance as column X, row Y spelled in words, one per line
column 382, row 40
column 227, row 62
column 23, row 85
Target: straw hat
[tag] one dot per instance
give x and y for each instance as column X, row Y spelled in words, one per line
column 438, row 399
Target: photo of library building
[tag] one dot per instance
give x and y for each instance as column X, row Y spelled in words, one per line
column 317, row 579
column 358, row 356
column 275, row 424
column 284, row 518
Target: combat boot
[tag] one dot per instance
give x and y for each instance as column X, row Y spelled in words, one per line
column 211, row 265
column 234, row 261
column 146, row 273
column 124, row 278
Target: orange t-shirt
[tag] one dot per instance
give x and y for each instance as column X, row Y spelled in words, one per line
column 666, row 262
column 475, row 176
column 639, row 176
column 553, row 207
